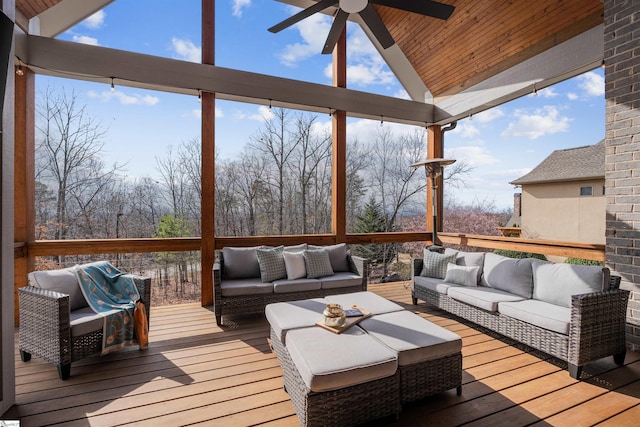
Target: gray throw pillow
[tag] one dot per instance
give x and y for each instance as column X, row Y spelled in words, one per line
column 337, row 256
column 434, row 264
column 508, row 274
column 271, row 262
column 555, row 283
column 240, row 263
column 462, row 275
column 317, row 263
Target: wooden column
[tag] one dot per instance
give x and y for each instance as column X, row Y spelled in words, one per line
column 434, row 151
column 207, row 255
column 339, row 147
column 24, row 179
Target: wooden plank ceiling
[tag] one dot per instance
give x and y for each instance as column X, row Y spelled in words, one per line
column 31, row 8
column 485, row 37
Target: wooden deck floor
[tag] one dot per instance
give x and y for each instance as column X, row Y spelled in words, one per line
column 196, row 373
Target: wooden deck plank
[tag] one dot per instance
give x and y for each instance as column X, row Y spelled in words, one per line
column 197, row 373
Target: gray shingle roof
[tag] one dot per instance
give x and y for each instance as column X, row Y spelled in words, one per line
column 571, row 164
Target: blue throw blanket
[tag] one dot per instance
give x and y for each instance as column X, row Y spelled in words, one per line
column 111, row 294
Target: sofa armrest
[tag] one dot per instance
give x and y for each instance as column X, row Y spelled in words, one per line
column 416, row 267
column 598, row 322
column 143, row 284
column 44, row 319
column 359, row 266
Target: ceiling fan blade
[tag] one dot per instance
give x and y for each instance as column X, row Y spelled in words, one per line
column 321, row 5
column 377, row 27
column 423, row 7
column 336, row 29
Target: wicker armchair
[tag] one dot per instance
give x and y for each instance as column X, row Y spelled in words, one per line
column 52, row 328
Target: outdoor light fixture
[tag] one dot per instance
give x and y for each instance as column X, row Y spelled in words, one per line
column 19, row 70
column 433, row 169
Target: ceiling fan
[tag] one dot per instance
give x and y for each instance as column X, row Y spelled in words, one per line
column 365, row 9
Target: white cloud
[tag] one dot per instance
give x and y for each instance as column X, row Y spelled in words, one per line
column 544, row 121
column 197, row 113
column 124, row 99
column 489, row 115
column 466, row 130
column 474, row 155
column 592, row 83
column 548, row 92
column 402, row 94
column 239, row 5
column 313, row 31
column 572, row 96
column 264, row 113
column 85, row 40
column 186, row 50
column 96, row 20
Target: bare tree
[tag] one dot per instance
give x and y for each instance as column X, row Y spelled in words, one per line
column 69, row 154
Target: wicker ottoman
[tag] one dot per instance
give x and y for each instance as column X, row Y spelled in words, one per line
column 333, row 379
column 429, row 356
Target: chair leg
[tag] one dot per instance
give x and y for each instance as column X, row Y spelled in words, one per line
column 619, row 358
column 24, row 356
column 459, row 390
column 64, row 371
column 219, row 319
column 575, row 371
column 414, row 300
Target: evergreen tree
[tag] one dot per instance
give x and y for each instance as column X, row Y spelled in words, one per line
column 373, row 220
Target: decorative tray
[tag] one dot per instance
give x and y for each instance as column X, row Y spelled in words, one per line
column 350, row 321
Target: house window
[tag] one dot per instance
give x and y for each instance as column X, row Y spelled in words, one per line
column 586, row 191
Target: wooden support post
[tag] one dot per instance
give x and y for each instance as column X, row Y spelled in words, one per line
column 24, row 179
column 434, row 150
column 207, row 254
column 339, row 144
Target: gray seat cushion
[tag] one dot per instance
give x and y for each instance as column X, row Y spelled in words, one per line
column 297, row 285
column 284, row 316
column 508, row 274
column 328, row 361
column 438, row 285
column 253, row 286
column 539, row 313
column 84, row 321
column 415, row 339
column 367, row 300
column 555, row 283
column 468, row 259
column 481, row 297
column 341, row 280
column 64, row 281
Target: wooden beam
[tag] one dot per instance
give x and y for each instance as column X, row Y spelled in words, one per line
column 64, row 15
column 24, row 177
column 207, row 214
column 339, row 146
column 100, row 64
column 434, row 151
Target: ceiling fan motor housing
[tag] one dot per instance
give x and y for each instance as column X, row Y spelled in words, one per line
column 353, row 6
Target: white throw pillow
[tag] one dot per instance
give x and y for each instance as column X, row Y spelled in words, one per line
column 294, row 263
column 462, row 275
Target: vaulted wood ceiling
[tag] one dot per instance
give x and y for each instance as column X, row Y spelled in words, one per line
column 485, row 37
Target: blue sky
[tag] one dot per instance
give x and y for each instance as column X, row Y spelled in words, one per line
column 501, row 144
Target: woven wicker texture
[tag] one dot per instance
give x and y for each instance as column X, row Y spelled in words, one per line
column 597, row 326
column 431, row 377
column 255, row 304
column 45, row 330
column 344, row 407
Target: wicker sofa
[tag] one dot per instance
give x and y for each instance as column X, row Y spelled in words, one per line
column 575, row 313
column 247, row 279
column 57, row 324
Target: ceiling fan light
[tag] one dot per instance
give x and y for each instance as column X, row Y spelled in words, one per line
column 353, row 6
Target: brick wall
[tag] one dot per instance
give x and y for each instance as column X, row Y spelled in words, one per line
column 622, row 79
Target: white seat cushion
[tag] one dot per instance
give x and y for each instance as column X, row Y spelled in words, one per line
column 297, row 285
column 431, row 283
column 539, row 313
column 341, row 280
column 415, row 339
column 367, row 300
column 284, row 316
column 481, row 297
column 328, row 361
